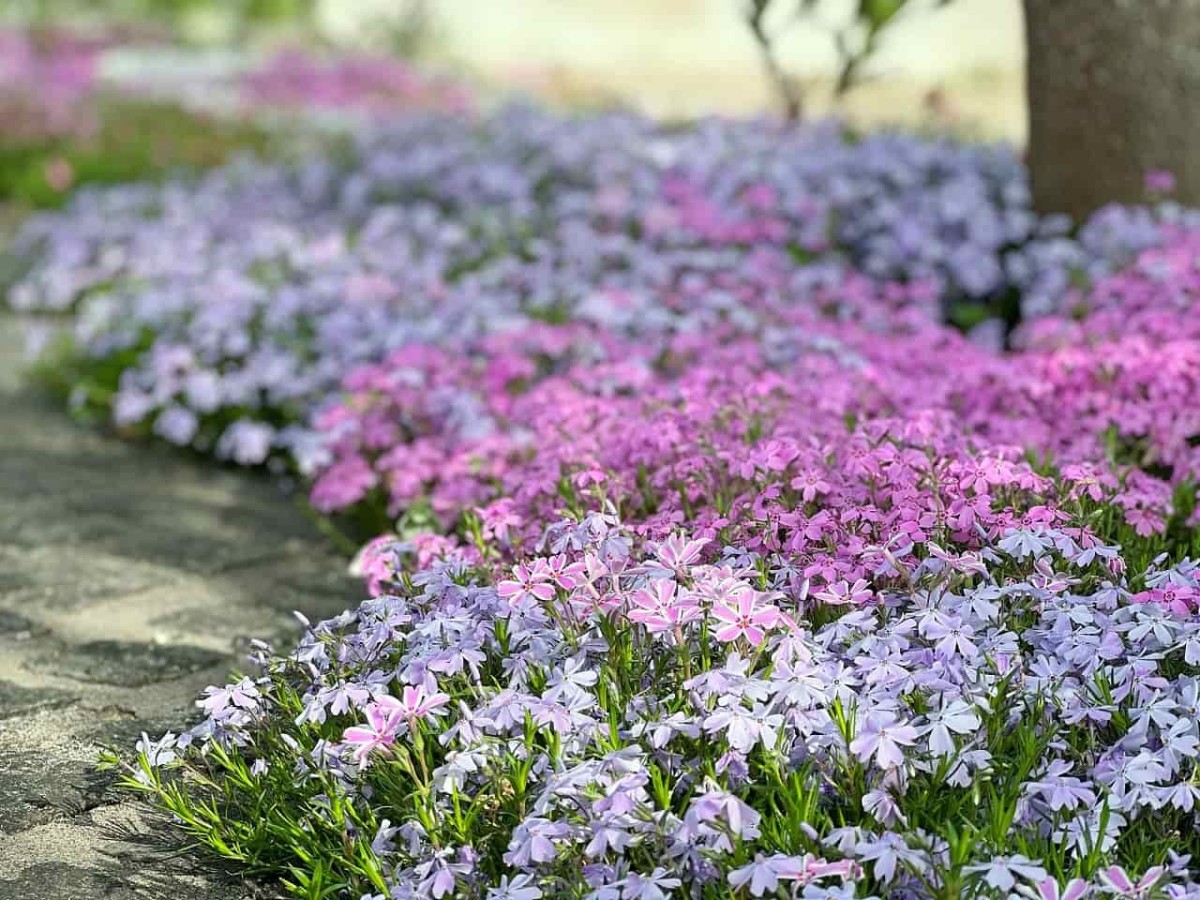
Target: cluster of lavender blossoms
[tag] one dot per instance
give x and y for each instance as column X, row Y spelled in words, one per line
column 618, row 719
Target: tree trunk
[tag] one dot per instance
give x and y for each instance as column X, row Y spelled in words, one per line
column 1114, row 92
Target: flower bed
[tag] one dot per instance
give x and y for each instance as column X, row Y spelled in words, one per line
column 268, row 285
column 723, row 565
column 615, row 719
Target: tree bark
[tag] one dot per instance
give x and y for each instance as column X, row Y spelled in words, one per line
column 1114, row 92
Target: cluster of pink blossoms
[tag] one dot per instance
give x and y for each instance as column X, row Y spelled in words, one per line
column 370, row 84
column 45, row 78
column 827, row 431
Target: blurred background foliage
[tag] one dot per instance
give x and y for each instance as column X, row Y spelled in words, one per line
column 399, row 26
column 126, row 89
column 133, row 140
column 104, row 91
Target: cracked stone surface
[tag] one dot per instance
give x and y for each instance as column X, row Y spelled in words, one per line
column 130, row 578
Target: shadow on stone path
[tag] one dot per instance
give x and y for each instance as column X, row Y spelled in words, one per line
column 130, row 578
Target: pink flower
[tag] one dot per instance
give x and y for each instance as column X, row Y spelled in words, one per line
column 387, row 716
column 1145, row 522
column 663, row 608
column 676, row 553
column 530, row 584
column 384, row 721
column 1160, row 181
column 343, row 484
column 745, row 616
column 1178, row 598
column 1048, row 889
column 417, row 703
column 59, row 174
column 500, row 520
column 1118, row 882
column 376, row 563
column 762, row 876
column 843, row 593
column 811, row 485
column 567, row 575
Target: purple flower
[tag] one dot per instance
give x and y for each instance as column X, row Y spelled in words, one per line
column 883, row 737
column 521, row 887
column 177, row 425
column 1002, row 872
column 1160, row 181
column 533, row 842
column 246, row 443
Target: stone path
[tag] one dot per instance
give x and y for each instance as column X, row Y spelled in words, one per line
column 130, row 578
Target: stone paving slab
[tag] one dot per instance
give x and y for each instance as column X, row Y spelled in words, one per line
column 130, row 578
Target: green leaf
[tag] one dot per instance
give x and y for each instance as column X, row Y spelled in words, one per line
column 878, row 13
